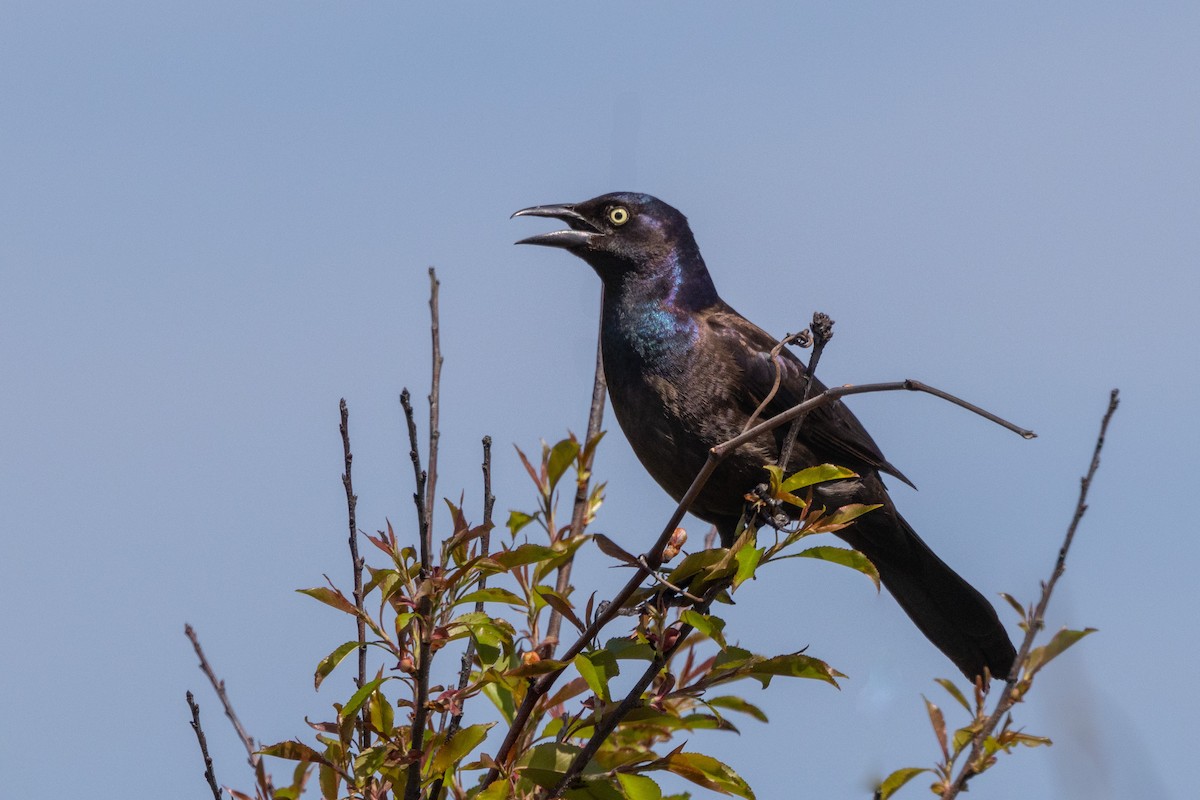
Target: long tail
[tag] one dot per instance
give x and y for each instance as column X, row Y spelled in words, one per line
column 947, row 609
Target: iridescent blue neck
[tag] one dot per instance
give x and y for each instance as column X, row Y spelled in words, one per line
column 651, row 310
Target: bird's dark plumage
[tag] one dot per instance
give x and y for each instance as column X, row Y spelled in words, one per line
column 685, row 371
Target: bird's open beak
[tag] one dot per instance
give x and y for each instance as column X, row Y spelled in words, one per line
column 582, row 232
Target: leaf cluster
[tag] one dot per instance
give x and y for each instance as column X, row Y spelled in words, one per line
column 677, row 653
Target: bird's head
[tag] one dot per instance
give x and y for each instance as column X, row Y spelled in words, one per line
column 619, row 233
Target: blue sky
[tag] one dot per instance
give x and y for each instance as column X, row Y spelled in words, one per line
column 218, row 219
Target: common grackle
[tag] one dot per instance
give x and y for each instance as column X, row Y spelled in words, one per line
column 685, row 371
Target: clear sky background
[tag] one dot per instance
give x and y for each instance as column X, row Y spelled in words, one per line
column 217, row 220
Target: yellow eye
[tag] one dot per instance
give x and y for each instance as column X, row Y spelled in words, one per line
column 618, row 215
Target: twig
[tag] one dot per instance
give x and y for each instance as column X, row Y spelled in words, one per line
column 260, row 773
column 803, row 338
column 658, row 578
column 364, row 731
column 434, row 408
column 653, row 558
column 412, row 789
column 1009, row 697
column 208, row 762
column 464, row 675
column 415, row 455
column 579, row 510
column 822, row 332
column 219, row 687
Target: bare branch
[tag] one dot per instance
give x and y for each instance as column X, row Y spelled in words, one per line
column 412, row 789
column 364, row 730
column 219, row 687
column 208, row 762
column 1010, row 696
column 435, row 391
column 582, row 492
column 264, row 781
column 415, row 455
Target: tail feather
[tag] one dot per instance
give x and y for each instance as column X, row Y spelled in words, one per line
column 947, row 609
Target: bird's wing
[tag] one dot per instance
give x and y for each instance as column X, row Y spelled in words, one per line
column 832, row 431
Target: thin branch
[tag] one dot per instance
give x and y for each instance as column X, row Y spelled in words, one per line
column 803, row 339
column 1010, row 696
column 464, row 675
column 653, row 558
column 434, row 408
column 661, row 580
column 485, row 543
column 209, row 775
column 582, row 493
column 364, row 731
column 219, row 687
column 412, row 789
column 415, row 455
column 822, row 332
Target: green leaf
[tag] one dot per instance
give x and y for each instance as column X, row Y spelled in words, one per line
column 561, row 456
column 814, row 475
column 614, row 550
column 597, row 667
column 294, row 751
column 599, row 789
column 695, row 563
column 331, row 597
column 501, row 697
column 523, row 554
column 938, row 720
column 897, row 779
column 329, row 781
column 639, row 787
column 1041, row 656
column 844, row 556
column 381, row 713
column 492, row 595
column 370, row 760
column 548, row 762
column 798, row 665
column 1029, row 740
column 329, row 662
column 560, row 604
column 626, row 649
column 747, row 561
column 455, row 750
column 847, row 514
column 795, row 665
column 1012, row 601
column 358, row 698
column 954, row 692
column 711, row 626
column 518, row 520
column 496, row 790
column 708, row 772
column 733, row 703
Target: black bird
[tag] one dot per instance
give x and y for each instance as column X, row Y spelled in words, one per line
column 685, row 371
